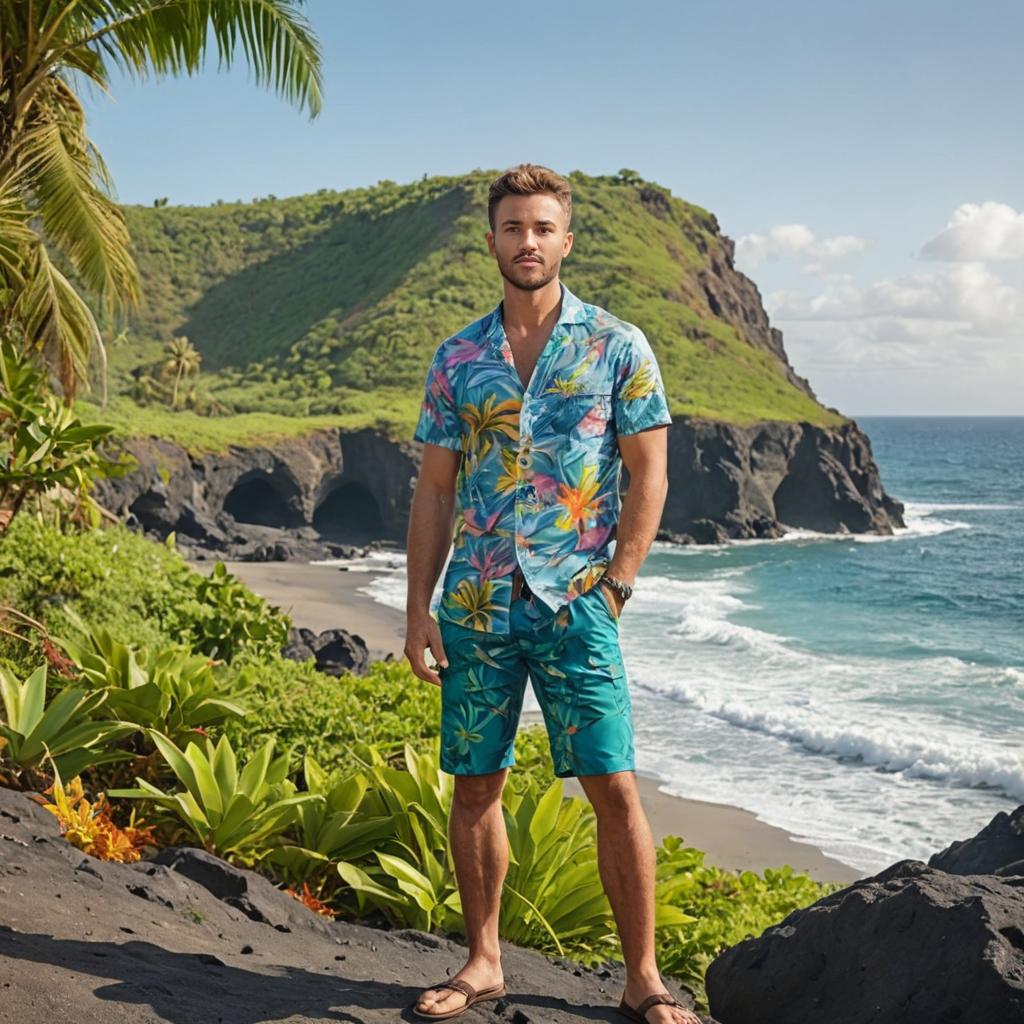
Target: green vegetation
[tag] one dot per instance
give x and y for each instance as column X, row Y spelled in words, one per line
column 65, row 245
column 63, row 728
column 326, row 308
column 331, row 784
column 43, row 444
column 229, row 812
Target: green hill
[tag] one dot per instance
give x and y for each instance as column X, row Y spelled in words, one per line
column 330, row 305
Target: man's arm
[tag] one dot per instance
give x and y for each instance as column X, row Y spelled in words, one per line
column 645, row 456
column 429, row 539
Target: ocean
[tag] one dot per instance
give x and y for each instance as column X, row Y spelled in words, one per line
column 865, row 693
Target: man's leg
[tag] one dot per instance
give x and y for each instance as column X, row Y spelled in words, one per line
column 476, row 830
column 626, row 861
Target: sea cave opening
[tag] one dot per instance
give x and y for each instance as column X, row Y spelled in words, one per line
column 258, row 501
column 349, row 514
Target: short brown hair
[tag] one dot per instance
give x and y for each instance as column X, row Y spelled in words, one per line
column 529, row 180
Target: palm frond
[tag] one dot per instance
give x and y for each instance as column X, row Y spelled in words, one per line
column 56, row 321
column 15, row 232
column 171, row 36
column 83, row 222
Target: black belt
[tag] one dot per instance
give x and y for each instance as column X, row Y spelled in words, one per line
column 520, row 588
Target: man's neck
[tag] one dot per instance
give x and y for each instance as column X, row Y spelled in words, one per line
column 526, row 311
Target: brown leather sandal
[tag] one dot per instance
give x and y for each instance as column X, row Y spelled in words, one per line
column 471, row 994
column 638, row 1013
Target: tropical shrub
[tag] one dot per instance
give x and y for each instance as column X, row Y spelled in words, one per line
column 724, row 906
column 553, row 897
column 238, row 815
column 170, row 689
column 32, row 728
column 142, row 592
column 413, row 880
column 43, row 444
column 230, row 618
column 553, row 892
column 329, row 830
column 331, row 718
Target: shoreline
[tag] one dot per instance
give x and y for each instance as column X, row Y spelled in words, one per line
column 323, row 597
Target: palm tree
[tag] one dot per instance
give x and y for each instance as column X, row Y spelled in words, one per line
column 55, row 189
column 182, row 359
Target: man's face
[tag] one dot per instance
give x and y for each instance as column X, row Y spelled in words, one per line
column 530, row 239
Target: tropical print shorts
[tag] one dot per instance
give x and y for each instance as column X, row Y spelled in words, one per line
column 573, row 659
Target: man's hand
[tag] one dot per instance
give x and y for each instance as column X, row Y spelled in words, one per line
column 421, row 632
column 430, row 537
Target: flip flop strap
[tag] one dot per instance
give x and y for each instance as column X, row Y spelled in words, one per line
column 658, row 997
column 461, row 986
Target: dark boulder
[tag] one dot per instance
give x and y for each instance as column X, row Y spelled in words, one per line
column 279, row 551
column 336, row 651
column 910, row 945
column 998, row 849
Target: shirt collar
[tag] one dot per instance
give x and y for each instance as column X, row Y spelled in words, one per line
column 572, row 312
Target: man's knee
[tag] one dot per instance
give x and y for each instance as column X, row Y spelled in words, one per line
column 479, row 792
column 614, row 794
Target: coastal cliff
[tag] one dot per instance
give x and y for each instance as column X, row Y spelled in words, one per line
column 330, row 305
column 302, row 497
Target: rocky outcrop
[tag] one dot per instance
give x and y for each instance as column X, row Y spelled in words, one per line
column 303, row 498
column 998, row 849
column 718, row 287
column 188, row 937
column 735, row 482
column 914, row 944
column 733, row 298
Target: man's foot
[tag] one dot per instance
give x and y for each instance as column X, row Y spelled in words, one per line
column 479, row 972
column 659, row 1013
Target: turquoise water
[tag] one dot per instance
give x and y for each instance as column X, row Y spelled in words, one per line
column 865, row 693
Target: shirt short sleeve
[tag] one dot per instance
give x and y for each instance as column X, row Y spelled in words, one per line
column 638, row 398
column 439, row 421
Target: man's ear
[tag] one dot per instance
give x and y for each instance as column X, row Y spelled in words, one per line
column 568, row 243
column 489, row 238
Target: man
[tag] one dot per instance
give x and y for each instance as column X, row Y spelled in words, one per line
column 528, row 415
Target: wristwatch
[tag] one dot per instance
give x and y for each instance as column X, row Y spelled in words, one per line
column 624, row 590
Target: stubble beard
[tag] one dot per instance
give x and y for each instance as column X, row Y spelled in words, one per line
column 507, row 272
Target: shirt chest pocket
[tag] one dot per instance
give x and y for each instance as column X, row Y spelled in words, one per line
column 582, row 417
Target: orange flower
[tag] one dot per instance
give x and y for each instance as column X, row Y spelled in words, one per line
column 580, row 503
column 311, row 901
column 90, row 827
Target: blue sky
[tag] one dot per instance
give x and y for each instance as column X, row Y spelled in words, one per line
column 866, row 158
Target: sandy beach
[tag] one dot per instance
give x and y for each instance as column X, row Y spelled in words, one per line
column 326, row 596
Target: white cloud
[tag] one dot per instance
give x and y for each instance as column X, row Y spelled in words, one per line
column 960, row 321
column 985, row 231
column 942, row 337
column 968, row 294
column 785, row 240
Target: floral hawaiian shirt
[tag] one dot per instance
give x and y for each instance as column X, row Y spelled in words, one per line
column 538, row 485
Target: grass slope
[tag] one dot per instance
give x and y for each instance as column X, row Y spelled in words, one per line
column 325, row 308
